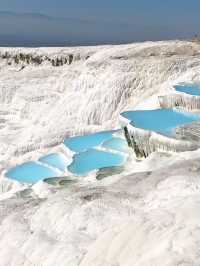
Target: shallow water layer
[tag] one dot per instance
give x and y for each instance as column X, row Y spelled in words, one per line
column 83, row 143
column 192, row 89
column 93, row 159
column 31, row 172
column 57, row 160
column 162, row 121
column 117, row 144
column 86, row 158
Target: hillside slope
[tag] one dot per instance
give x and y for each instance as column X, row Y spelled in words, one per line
column 146, row 216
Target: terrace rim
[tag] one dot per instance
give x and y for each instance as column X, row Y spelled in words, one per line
column 180, row 99
column 186, row 137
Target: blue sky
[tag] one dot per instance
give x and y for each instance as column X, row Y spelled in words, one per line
column 49, row 6
column 90, row 21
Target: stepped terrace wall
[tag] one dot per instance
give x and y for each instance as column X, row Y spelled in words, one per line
column 187, row 102
column 186, row 96
column 145, row 141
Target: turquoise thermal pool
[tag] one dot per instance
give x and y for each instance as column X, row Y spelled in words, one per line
column 192, row 89
column 162, row 121
column 83, row 143
column 85, row 159
column 93, row 159
column 107, row 148
column 57, row 160
column 31, row 172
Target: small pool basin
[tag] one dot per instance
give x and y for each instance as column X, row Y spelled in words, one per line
column 93, row 159
column 191, row 89
column 83, row 143
column 162, row 121
column 31, row 172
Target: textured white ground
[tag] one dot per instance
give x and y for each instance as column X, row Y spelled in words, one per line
column 146, row 216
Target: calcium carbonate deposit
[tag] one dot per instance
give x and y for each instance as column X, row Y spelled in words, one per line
column 143, row 212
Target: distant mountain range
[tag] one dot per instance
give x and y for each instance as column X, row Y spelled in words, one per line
column 32, row 29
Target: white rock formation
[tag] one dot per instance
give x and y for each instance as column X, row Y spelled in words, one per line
column 149, row 214
column 180, row 100
column 149, row 141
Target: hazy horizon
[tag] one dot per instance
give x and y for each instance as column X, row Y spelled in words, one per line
column 63, row 23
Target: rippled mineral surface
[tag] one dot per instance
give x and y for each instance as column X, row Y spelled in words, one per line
column 144, row 213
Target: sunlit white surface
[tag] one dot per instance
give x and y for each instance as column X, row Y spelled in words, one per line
column 146, row 216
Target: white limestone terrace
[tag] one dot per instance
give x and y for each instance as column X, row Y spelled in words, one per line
column 147, row 131
column 146, row 216
column 184, row 95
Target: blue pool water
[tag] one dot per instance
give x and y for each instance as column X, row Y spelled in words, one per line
column 83, row 143
column 117, row 144
column 56, row 160
column 192, row 89
column 31, row 172
column 93, row 159
column 161, row 120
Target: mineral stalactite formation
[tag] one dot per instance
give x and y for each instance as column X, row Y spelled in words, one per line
column 145, row 142
column 187, row 102
column 184, row 138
